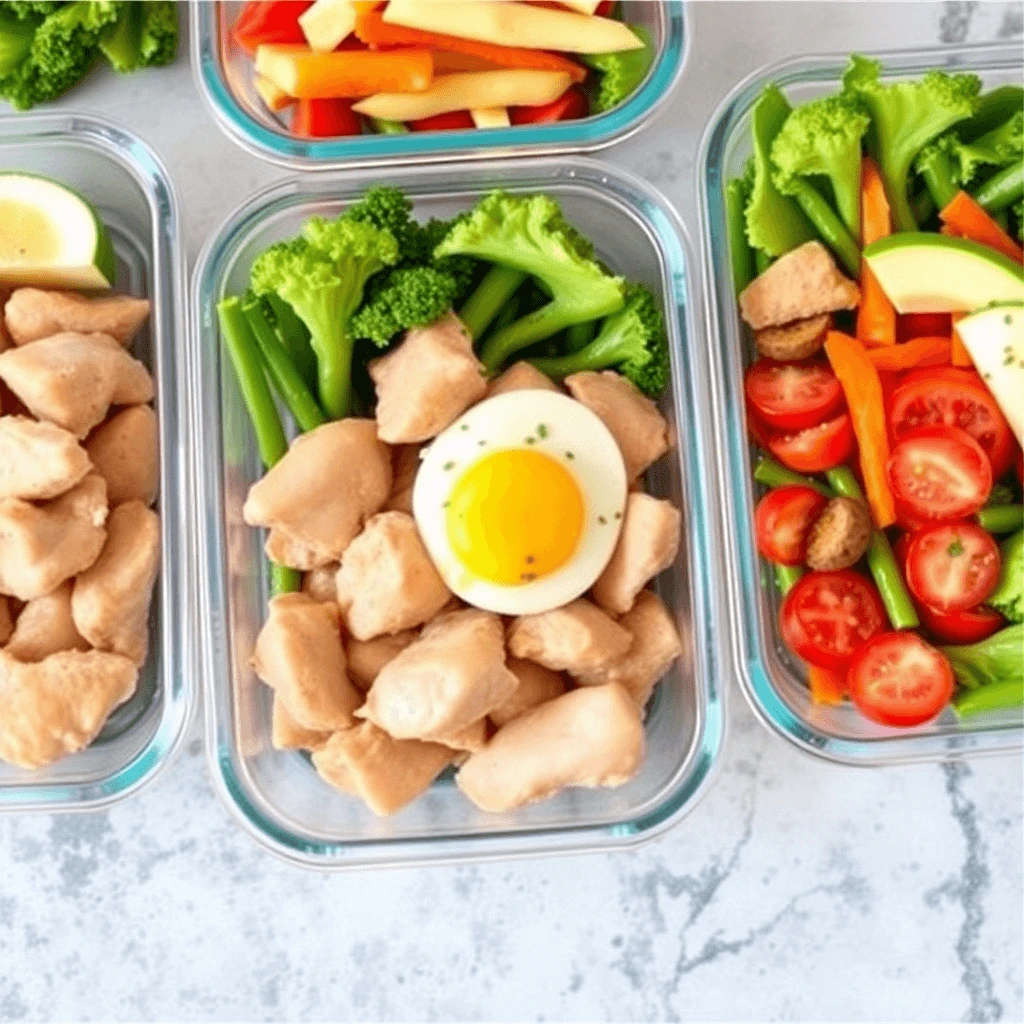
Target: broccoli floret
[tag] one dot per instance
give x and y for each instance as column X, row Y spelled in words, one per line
column 631, row 341
column 322, row 276
column 906, row 116
column 145, row 35
column 529, row 234
column 1018, row 212
column 998, row 148
column 621, row 72
column 16, row 35
column 1008, row 596
column 462, row 269
column 32, row 9
column 390, row 209
column 408, row 297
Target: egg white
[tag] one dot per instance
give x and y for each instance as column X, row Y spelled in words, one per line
column 567, row 432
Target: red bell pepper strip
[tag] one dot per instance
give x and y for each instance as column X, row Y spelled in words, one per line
column 324, row 119
column 273, row 21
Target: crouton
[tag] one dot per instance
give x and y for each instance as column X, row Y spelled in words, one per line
column 46, row 626
column 38, row 460
column 799, row 340
column 427, row 382
column 521, row 376
column 287, row 734
column 537, row 685
column 124, row 452
column 405, row 464
column 322, row 584
column 32, row 314
column 367, row 657
column 804, row 283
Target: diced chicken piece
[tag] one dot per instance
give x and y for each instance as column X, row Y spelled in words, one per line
column 387, row 582
column 427, row 382
column 799, row 285
column 73, row 379
column 798, row 340
column 470, row 739
column 635, row 422
column 287, row 734
column 452, row 676
column 299, row 654
column 537, row 685
column 655, row 646
column 577, row 637
column 43, row 545
column 521, row 376
column 647, row 545
column 367, row 657
column 322, row 584
column 317, row 498
column 57, row 706
column 405, row 464
column 32, row 314
column 38, row 460
column 46, row 626
column 6, row 623
column 110, row 601
column 590, row 737
column 124, row 452
column 387, row 773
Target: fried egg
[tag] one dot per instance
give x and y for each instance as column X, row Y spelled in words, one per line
column 520, row 502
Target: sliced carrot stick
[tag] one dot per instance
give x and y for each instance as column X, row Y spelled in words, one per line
column 826, row 687
column 374, row 31
column 344, row 74
column 967, row 218
column 876, row 317
column 911, row 354
column 863, row 389
column 959, row 356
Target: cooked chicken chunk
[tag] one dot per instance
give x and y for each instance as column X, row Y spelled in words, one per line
column 647, row 545
column 577, row 637
column 57, row 706
column 798, row 340
column 43, row 545
column 387, row 582
column 655, row 646
column 386, row 773
column 124, row 452
column 537, row 685
column 110, row 601
column 322, row 584
column 636, row 424
column 521, row 376
column 73, row 379
column 299, row 654
column 367, row 657
column 45, row 626
column 38, row 460
column 589, row 737
column 316, row 499
column 32, row 314
column 427, row 382
column 405, row 463
column 799, row 285
column 470, row 739
column 287, row 734
column 453, row 675
column 6, row 623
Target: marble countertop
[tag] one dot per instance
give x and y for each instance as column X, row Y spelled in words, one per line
column 796, row 890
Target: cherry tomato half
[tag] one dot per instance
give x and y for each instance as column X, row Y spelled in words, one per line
column 815, row 449
column 828, row 616
column 899, row 679
column 276, row 21
column 952, row 566
column 324, row 119
column 791, row 396
column 781, row 522
column 940, row 473
column 570, row 106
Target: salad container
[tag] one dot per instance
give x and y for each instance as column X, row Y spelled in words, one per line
column 771, row 677
column 276, row 795
column 128, row 185
column 224, row 77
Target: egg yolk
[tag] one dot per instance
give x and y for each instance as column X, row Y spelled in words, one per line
column 515, row 516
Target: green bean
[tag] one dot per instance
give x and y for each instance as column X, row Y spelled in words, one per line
column 771, row 474
column 382, row 126
column 294, row 335
column 937, row 171
column 498, row 287
column 786, row 577
column 991, row 697
column 827, row 223
column 1003, row 189
column 742, row 256
column 1002, row 518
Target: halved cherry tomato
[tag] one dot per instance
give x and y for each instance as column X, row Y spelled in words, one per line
column 570, row 106
column 899, row 679
column 940, row 473
column 276, row 21
column 455, row 120
column 953, row 397
column 828, row 616
column 324, row 119
column 923, row 325
column 952, row 566
column 782, row 519
column 791, row 396
column 817, row 448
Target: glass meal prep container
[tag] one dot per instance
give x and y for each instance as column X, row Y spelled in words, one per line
column 277, row 795
column 772, row 678
column 128, row 185
column 224, row 75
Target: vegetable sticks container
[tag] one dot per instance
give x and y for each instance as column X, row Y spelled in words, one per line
column 771, row 677
column 276, row 795
column 128, row 184
column 224, row 75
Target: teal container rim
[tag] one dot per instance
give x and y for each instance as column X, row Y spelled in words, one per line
column 586, row 135
column 753, row 649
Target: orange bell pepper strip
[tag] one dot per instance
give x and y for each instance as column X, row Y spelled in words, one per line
column 911, row 354
column 863, row 389
column 959, row 356
column 876, row 317
column 373, row 30
column 965, row 217
column 826, row 687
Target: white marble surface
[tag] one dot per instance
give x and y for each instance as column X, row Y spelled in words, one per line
column 796, row 890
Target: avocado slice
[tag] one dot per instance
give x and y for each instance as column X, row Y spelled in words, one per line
column 922, row 272
column 50, row 236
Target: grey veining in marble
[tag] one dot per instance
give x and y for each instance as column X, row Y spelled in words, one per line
column 797, row 890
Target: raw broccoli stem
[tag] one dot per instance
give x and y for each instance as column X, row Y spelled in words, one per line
column 286, row 378
column 509, row 313
column 741, row 255
column 579, row 336
column 881, row 561
column 1002, row 518
column 771, row 474
column 1002, row 190
column 492, row 293
column 923, row 206
column 294, row 335
column 827, row 223
column 937, row 171
column 786, row 577
column 991, row 697
column 762, row 261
